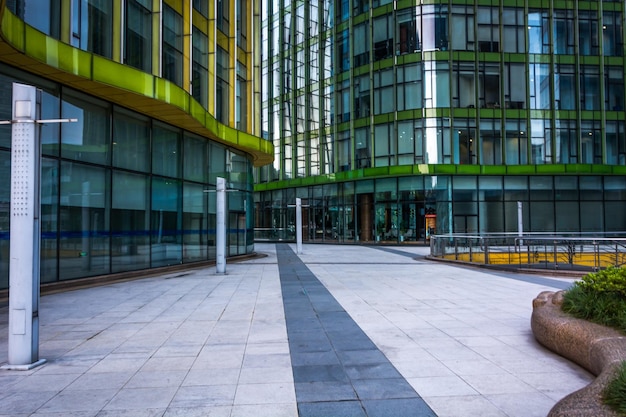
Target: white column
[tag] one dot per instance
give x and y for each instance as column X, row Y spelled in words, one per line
column 299, row 225
column 25, row 232
column 220, row 233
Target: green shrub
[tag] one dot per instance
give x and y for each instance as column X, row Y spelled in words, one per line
column 599, row 297
column 615, row 393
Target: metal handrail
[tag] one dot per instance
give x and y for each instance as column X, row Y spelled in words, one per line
column 575, row 251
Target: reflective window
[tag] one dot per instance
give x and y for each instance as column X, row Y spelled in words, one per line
column 88, row 139
column 383, row 37
column 588, row 43
column 464, row 85
column 540, row 142
column 538, row 32
column 590, row 142
column 44, row 16
column 564, row 87
column 488, row 34
column 615, row 143
column 566, row 138
column 166, row 151
column 202, row 6
column 195, row 154
column 462, row 37
column 383, row 91
column 222, row 101
column 362, row 96
column 513, row 30
column 361, row 44
column 131, row 141
column 83, row 221
column 589, row 87
column 195, row 222
column 200, row 68
column 612, row 33
column 223, row 10
column 407, row 39
column 613, row 88
column 138, row 46
column 166, row 222
column 130, row 244
column 490, row 142
column 409, row 87
column 539, row 84
column 464, row 141
column 514, row 86
column 241, row 98
column 172, row 65
column 564, row 34
column 516, row 142
column 92, row 26
column 434, row 28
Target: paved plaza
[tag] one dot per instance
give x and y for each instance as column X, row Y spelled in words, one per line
column 336, row 331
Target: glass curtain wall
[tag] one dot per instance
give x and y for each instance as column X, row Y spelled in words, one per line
column 122, row 192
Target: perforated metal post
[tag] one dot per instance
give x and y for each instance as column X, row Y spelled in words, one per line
column 25, row 231
column 299, row 225
column 25, row 235
column 220, row 220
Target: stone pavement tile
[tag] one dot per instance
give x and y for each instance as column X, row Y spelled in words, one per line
column 324, row 391
column 423, row 368
column 266, row 360
column 314, row 358
column 465, row 406
column 332, row 408
column 113, row 363
column 204, row 396
column 265, row 410
column 74, row 400
column 409, row 407
column 313, row 373
column 555, row 385
column 441, row 386
column 97, row 380
column 473, row 367
column 199, row 411
column 151, row 412
column 281, row 346
column 211, row 376
column 497, row 384
column 43, row 383
column 156, row 379
column 371, row 371
column 516, row 405
column 24, row 403
column 265, row 375
column 361, row 357
column 178, row 350
column 380, row 389
column 271, row 393
column 167, row 363
column 141, row 398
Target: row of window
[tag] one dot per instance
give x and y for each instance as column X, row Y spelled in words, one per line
column 484, row 85
column 92, row 29
column 412, row 208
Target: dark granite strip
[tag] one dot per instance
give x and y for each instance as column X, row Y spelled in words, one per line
column 337, row 369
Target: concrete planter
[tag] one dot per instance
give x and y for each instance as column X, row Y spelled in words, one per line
column 597, row 348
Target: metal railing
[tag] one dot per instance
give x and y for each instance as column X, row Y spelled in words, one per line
column 579, row 252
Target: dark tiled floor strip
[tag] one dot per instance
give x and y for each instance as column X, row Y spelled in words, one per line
column 338, row 371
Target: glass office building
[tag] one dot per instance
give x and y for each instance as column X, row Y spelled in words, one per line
column 396, row 119
column 166, row 94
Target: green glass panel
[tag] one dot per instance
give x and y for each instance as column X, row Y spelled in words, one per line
column 197, row 111
column 444, row 169
column 549, row 169
column 37, row 44
column 468, row 169
column 13, row 30
column 122, row 76
column 171, row 93
column 601, row 169
column 401, row 169
column 521, row 169
column 74, row 61
column 493, row 169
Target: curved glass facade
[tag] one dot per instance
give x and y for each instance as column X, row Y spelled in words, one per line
column 396, row 119
column 161, row 114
